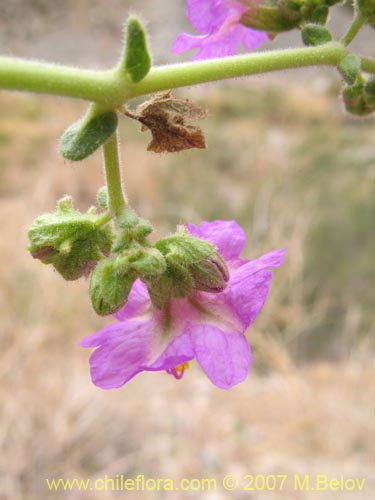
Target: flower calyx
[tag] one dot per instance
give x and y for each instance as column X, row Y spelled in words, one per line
column 73, row 242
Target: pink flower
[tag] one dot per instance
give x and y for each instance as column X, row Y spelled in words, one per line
column 222, row 33
column 207, row 326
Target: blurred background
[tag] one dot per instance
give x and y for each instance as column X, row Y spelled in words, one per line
column 294, row 170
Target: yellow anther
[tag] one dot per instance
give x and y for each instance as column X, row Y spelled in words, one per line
column 182, row 367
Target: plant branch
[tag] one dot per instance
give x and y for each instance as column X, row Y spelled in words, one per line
column 353, row 30
column 116, row 197
column 110, row 89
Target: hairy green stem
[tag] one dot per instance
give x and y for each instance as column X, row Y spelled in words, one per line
column 180, row 75
column 354, row 28
column 110, row 89
column 116, row 198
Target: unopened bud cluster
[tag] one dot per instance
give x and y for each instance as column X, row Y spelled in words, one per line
column 79, row 244
column 359, row 92
column 192, row 264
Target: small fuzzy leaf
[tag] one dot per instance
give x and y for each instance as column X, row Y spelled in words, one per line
column 137, row 58
column 85, row 136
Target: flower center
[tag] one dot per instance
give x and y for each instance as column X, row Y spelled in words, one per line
column 178, row 371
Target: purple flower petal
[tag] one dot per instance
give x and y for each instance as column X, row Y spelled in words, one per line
column 251, row 39
column 227, row 236
column 219, row 22
column 123, row 355
column 248, row 292
column 224, row 356
column 185, row 42
column 206, row 15
column 270, row 259
column 178, row 351
column 212, row 46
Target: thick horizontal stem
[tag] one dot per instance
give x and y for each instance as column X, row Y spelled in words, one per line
column 46, row 78
column 110, row 89
column 185, row 74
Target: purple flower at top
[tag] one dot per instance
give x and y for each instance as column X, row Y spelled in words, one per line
column 222, row 32
column 209, row 327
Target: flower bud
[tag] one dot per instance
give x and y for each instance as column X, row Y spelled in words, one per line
column 357, row 101
column 210, row 275
column 69, row 240
column 110, row 285
column 192, row 264
column 315, row 34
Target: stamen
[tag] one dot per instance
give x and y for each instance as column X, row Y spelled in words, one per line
column 178, row 371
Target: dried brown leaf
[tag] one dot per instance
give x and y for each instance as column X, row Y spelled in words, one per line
column 168, row 119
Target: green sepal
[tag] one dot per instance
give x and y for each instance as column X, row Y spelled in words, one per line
column 127, row 219
column 69, row 240
column 85, row 136
column 186, row 248
column 110, row 285
column 148, row 262
column 175, row 282
column 350, row 67
column 315, row 34
column 135, row 229
column 137, row 61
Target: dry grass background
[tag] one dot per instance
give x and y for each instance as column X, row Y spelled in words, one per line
column 294, row 171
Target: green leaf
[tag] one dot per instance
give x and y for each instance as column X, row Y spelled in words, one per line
column 137, row 58
column 85, row 136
